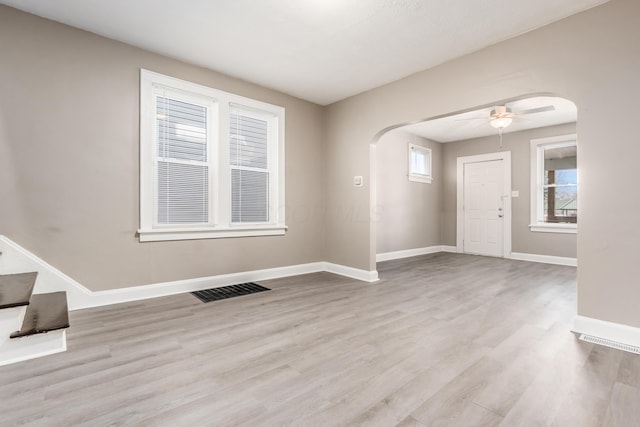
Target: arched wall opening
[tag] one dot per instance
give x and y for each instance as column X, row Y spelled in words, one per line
column 411, row 218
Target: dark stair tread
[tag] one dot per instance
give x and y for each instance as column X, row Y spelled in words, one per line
column 46, row 312
column 16, row 289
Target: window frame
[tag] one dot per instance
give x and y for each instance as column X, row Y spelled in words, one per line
column 418, row 177
column 220, row 105
column 538, row 146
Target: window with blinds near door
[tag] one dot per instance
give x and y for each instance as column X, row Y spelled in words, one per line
column 211, row 163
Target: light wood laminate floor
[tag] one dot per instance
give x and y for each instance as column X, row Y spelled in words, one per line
column 442, row 339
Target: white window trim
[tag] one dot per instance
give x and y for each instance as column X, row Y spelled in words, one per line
column 416, row 177
column 219, row 225
column 537, row 151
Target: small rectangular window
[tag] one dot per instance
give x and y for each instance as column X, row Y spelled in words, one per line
column 554, row 184
column 419, row 164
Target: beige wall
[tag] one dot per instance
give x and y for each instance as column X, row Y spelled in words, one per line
column 69, row 161
column 518, row 143
column 66, row 94
column 590, row 58
column 407, row 212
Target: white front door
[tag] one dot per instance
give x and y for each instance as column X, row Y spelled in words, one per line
column 484, row 208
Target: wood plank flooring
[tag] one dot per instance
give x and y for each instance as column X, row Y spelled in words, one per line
column 441, row 340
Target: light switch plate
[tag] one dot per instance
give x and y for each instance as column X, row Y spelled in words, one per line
column 515, row 193
column 358, row 181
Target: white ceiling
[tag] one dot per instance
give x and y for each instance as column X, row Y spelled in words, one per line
column 474, row 124
column 318, row 50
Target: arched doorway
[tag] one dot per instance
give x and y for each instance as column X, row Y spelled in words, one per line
column 403, row 221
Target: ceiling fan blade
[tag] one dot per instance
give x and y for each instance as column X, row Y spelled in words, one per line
column 535, row 110
column 472, row 118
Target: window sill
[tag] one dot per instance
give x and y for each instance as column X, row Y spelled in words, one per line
column 423, row 179
column 159, row 235
column 554, row 228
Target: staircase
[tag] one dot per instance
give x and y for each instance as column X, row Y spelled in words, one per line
column 31, row 325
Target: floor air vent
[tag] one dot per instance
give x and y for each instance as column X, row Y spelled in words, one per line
column 225, row 292
column 609, row 343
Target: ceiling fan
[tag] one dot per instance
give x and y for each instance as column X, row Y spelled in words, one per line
column 502, row 116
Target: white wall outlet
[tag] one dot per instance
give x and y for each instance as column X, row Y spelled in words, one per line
column 358, row 181
column 515, row 193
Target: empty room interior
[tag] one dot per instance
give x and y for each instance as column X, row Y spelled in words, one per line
column 319, row 213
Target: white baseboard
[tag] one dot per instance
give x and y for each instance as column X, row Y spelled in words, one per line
column 451, row 249
column 134, row 293
column 354, row 273
column 387, row 256
column 617, row 332
column 51, row 279
column 546, row 259
column 154, row 290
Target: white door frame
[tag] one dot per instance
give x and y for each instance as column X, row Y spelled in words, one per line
column 505, row 156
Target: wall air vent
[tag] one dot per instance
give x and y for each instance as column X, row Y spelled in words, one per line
column 609, row 343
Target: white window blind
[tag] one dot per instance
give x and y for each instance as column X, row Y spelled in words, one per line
column 182, row 176
column 249, row 164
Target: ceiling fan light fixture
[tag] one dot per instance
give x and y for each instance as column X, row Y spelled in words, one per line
column 500, row 122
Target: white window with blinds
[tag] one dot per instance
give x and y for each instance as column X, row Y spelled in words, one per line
column 211, row 164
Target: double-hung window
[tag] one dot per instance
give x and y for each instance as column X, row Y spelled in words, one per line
column 554, row 184
column 211, row 163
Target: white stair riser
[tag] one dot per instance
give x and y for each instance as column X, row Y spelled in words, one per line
column 32, row 346
column 10, row 321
